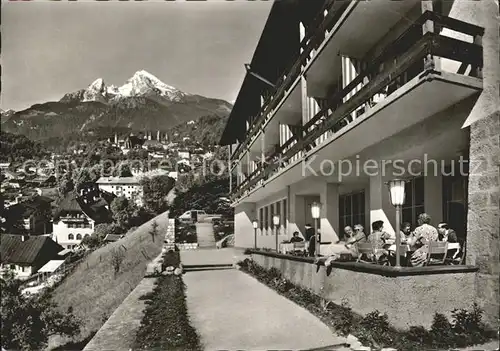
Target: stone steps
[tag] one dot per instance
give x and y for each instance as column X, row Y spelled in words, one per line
column 207, row 267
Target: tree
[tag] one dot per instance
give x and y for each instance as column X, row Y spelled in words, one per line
column 65, row 184
column 117, row 257
column 155, row 191
column 122, row 211
column 154, row 230
column 103, row 229
column 123, row 170
column 92, row 241
column 28, row 322
column 140, row 216
column 207, row 196
column 81, row 177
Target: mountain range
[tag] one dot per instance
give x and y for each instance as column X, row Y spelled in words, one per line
column 143, row 103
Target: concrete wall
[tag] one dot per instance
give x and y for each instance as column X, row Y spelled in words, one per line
column 483, row 221
column 408, row 300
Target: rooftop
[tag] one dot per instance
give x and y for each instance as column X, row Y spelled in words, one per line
column 14, row 250
column 95, row 210
column 118, row 180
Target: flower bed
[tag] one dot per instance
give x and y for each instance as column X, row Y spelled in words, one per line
column 165, row 325
column 185, row 233
column 466, row 327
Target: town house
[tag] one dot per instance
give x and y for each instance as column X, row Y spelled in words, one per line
column 25, row 255
column 76, row 218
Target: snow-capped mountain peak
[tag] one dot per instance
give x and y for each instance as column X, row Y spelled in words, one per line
column 96, row 91
column 142, row 83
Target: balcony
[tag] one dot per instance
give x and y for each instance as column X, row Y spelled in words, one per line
column 324, row 22
column 399, row 87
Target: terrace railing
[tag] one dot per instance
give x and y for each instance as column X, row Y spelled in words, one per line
column 393, row 64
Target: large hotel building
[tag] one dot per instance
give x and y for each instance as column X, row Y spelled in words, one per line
column 342, row 96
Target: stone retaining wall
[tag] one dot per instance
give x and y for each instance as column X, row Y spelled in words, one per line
column 407, row 300
column 483, row 221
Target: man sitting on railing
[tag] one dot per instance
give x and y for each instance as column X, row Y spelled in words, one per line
column 296, row 238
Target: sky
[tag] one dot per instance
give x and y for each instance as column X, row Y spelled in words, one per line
column 52, row 48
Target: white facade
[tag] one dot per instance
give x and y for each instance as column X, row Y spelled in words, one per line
column 129, row 187
column 20, row 271
column 69, row 231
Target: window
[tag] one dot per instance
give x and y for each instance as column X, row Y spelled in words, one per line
column 455, row 190
column 352, row 211
column 12, row 266
column 278, row 211
column 414, row 201
column 71, row 237
column 22, row 268
column 261, row 221
column 266, row 219
column 78, row 236
column 270, row 223
column 285, row 213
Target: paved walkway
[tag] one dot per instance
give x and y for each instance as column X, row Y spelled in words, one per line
column 231, row 311
column 205, row 234
column 211, row 256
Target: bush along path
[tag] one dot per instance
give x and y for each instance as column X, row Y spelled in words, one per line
column 165, row 325
column 373, row 330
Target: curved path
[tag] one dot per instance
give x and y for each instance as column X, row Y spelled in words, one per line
column 233, row 311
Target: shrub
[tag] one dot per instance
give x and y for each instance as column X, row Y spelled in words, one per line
column 345, row 318
column 441, row 331
column 418, row 334
column 468, row 326
column 378, row 326
column 27, row 322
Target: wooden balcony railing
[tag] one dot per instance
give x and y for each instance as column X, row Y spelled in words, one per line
column 311, row 41
column 389, row 66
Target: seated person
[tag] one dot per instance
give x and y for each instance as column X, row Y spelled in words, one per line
column 359, row 236
column 405, row 232
column 348, row 233
column 296, row 238
column 422, row 235
column 405, row 229
column 378, row 235
column 446, row 234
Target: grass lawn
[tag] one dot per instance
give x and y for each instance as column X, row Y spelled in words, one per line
column 94, row 291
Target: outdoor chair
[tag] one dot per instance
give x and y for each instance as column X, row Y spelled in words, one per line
column 403, row 253
column 439, row 249
column 365, row 250
column 299, row 248
column 454, row 254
